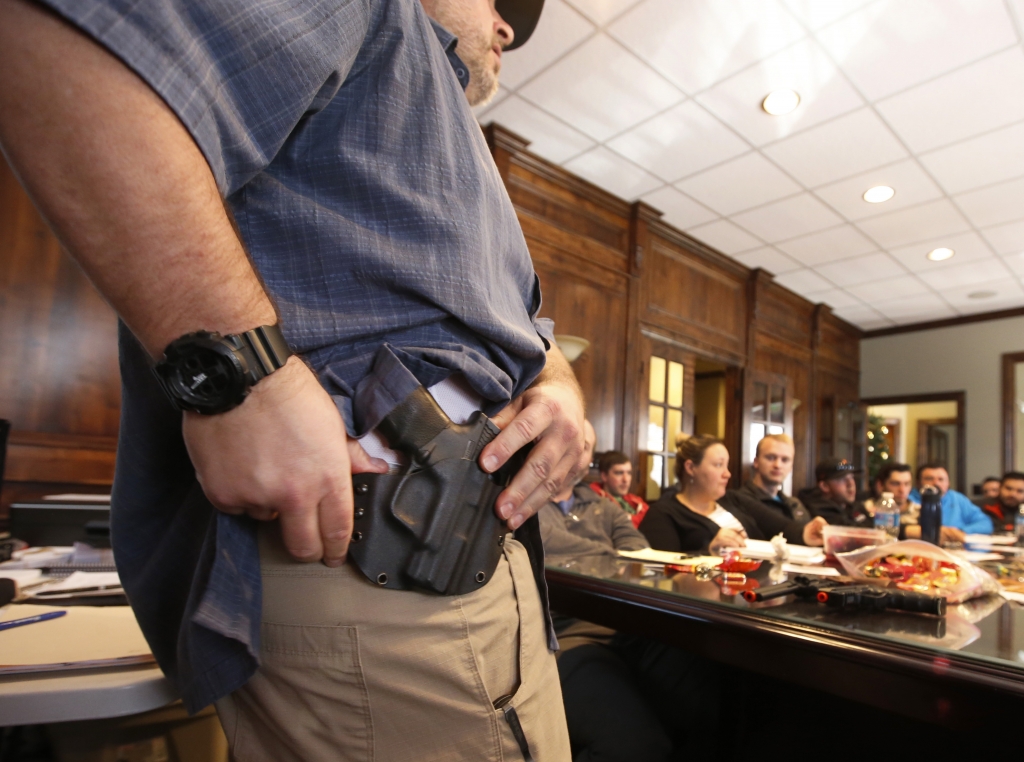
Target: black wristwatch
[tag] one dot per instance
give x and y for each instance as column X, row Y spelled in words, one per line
column 207, row 373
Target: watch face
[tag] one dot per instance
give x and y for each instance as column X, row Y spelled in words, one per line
column 204, row 375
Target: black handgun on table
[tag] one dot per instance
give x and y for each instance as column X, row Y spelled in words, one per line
column 852, row 597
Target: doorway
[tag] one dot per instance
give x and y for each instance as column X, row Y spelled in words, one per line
column 709, row 404
column 918, row 429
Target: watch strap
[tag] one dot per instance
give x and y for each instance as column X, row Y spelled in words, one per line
column 265, row 348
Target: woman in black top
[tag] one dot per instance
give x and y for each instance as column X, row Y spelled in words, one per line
column 692, row 519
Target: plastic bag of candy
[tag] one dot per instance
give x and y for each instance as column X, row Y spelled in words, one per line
column 920, row 567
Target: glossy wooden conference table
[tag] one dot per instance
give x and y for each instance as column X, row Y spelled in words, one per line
column 965, row 670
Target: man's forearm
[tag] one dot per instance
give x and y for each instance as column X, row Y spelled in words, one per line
column 121, row 182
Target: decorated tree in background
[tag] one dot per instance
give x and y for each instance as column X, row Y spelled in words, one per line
column 878, row 446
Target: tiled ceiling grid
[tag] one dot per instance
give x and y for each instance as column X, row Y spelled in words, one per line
column 660, row 100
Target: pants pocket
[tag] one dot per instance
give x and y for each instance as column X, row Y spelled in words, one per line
column 308, row 700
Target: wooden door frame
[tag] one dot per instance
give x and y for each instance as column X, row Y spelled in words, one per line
column 960, row 398
column 1008, row 361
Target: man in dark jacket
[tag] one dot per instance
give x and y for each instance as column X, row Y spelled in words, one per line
column 773, row 463
column 835, row 497
column 1004, row 507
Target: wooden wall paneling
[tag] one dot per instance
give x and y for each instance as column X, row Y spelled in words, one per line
column 694, row 294
column 59, row 378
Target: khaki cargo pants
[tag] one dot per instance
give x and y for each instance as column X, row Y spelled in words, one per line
column 350, row 671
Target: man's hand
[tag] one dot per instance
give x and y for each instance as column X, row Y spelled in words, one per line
column 549, row 413
column 813, row 531
column 283, row 452
column 951, row 535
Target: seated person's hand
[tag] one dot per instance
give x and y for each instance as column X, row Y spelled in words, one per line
column 951, row 534
column 813, row 531
column 727, row 538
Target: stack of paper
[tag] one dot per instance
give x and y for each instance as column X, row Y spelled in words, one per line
column 798, row 554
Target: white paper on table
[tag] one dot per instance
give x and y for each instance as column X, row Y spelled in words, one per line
column 974, row 556
column 38, row 557
column 989, row 539
column 80, row 579
column 819, row 571
column 800, row 554
column 75, row 497
column 652, row 556
column 1011, row 596
column 23, row 578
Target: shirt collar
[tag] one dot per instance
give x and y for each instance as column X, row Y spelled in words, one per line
column 566, row 505
column 448, row 42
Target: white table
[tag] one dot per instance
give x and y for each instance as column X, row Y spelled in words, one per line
column 89, row 694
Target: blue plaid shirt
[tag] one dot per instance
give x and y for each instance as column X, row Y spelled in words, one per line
column 341, row 139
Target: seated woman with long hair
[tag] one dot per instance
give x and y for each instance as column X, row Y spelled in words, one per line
column 692, row 519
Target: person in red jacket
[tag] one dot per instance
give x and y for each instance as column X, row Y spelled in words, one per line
column 616, row 477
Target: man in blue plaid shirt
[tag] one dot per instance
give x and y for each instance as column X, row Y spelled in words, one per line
column 313, row 169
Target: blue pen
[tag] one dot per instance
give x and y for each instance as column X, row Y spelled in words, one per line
column 31, row 619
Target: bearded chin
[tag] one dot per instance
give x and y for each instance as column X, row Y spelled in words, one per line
column 483, row 85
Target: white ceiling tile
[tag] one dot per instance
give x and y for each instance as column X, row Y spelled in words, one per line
column 481, row 111
column 803, row 281
column 610, row 171
column 679, row 209
column 893, row 288
column 969, row 273
column 1006, row 239
column 549, row 138
column 828, row 245
column 788, row 218
column 816, row 14
column 559, row 29
column 995, row 204
column 916, row 308
column 867, row 268
column 918, row 223
column 965, row 102
column 863, row 317
column 1015, row 262
column 602, row 11
column 893, row 44
column 843, row 147
column 968, row 246
column 600, row 89
column 724, row 236
column 700, row 42
column 749, row 180
column 834, row 298
column 1008, row 293
column 984, row 160
column 683, row 140
column 912, row 185
column 768, row 258
column 803, row 67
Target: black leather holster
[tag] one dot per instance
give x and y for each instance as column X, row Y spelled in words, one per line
column 431, row 526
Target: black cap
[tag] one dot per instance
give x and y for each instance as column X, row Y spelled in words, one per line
column 834, row 468
column 522, row 16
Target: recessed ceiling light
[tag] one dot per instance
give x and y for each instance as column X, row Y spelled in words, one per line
column 981, row 294
column 781, row 102
column 878, row 194
column 937, row 255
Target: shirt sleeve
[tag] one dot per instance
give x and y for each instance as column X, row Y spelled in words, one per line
column 239, row 75
column 973, row 520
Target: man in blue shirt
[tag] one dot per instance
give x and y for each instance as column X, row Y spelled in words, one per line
column 310, row 171
column 957, row 509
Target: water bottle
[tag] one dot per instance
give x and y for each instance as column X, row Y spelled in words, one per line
column 887, row 516
column 931, row 515
column 1018, row 525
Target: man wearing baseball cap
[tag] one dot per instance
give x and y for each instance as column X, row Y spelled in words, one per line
column 297, row 219
column 835, row 496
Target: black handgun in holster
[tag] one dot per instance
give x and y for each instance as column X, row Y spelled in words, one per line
column 431, row 526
